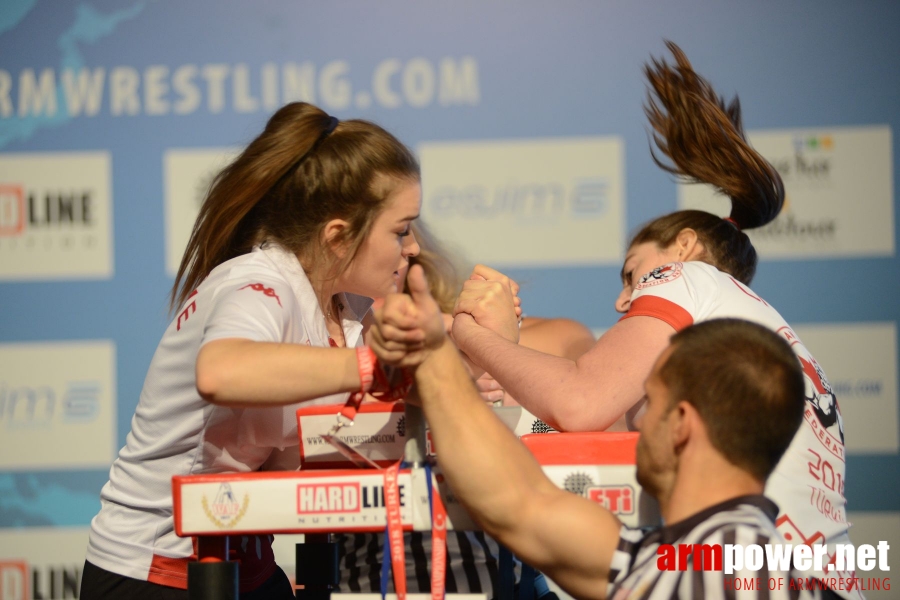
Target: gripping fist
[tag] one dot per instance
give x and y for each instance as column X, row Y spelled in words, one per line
column 408, row 327
column 491, row 298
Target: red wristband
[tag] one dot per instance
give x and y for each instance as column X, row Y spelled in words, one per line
column 366, row 361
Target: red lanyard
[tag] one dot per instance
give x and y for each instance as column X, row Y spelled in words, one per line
column 438, row 542
column 394, row 544
column 374, row 381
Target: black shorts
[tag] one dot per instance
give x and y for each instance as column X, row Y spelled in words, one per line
column 100, row 584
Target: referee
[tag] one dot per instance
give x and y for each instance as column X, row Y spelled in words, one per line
column 723, row 403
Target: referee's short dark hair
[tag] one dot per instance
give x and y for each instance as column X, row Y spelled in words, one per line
column 747, row 385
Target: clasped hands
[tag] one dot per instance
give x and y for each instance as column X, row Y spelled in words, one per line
column 408, row 328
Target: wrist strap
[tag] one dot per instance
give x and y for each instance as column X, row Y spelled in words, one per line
column 374, row 381
column 366, row 362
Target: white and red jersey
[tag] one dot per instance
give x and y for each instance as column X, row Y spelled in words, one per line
column 808, row 483
column 262, row 296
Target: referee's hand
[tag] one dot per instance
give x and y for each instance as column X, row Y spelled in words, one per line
column 408, row 327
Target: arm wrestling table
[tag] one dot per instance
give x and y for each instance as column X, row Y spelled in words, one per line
column 598, row 466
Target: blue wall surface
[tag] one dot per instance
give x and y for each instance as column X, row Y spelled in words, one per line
column 209, row 73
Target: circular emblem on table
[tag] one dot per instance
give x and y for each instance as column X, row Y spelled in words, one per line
column 225, row 511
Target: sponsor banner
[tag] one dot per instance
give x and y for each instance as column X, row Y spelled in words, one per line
column 187, row 175
column 57, row 405
column 55, row 216
column 378, row 433
column 41, row 562
column 860, row 362
column 612, row 486
column 496, row 199
column 354, row 501
column 333, row 501
column 213, row 88
column 840, row 193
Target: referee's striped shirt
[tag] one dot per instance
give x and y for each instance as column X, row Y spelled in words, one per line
column 745, row 520
column 472, row 563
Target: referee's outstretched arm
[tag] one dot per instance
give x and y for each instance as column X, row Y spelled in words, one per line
column 567, row 537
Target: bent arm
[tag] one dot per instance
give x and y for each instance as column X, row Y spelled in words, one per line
column 244, row 373
column 567, row 537
column 589, row 394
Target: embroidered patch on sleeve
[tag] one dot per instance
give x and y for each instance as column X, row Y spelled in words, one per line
column 660, row 275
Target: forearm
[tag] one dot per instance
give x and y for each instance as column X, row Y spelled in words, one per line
column 505, row 490
column 489, row 471
column 244, row 373
column 474, row 370
column 550, row 387
column 589, row 394
column 494, row 490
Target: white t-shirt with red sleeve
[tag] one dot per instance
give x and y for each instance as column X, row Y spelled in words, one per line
column 808, row 483
column 262, row 296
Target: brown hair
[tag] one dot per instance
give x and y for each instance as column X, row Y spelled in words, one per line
column 443, row 276
column 288, row 183
column 747, row 385
column 705, row 142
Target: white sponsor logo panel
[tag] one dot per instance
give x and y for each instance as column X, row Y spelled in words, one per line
column 41, row 562
column 353, row 502
column 860, row 361
column 529, row 202
column 840, row 193
column 187, row 175
column 614, row 487
column 57, row 405
column 378, row 433
column 56, row 216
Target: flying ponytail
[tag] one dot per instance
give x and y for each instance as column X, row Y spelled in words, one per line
column 703, row 139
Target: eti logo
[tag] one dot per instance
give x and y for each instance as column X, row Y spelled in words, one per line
column 320, row 498
column 618, row 499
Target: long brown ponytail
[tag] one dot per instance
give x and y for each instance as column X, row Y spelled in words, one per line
column 299, row 173
column 704, row 139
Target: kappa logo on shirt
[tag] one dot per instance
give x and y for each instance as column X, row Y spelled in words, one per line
column 258, row 287
column 660, row 275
